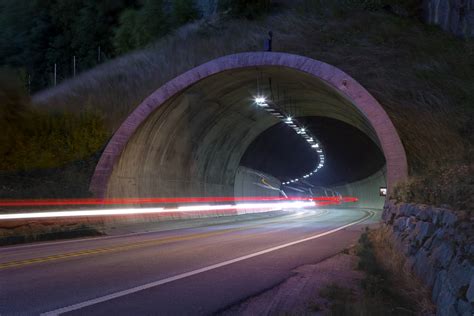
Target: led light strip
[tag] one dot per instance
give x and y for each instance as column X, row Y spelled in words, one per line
column 300, row 130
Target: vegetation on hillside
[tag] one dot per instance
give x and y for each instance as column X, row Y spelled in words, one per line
column 389, row 287
column 36, row 34
column 35, row 139
column 423, row 77
column 451, row 185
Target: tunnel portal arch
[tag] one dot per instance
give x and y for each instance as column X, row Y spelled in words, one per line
column 382, row 129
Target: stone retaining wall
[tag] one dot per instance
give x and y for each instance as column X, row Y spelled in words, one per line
column 439, row 245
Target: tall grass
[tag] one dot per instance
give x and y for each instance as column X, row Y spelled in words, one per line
column 389, row 288
column 32, row 138
column 449, row 185
column 423, row 78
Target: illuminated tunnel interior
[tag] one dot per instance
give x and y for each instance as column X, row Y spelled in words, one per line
column 211, row 139
column 351, row 155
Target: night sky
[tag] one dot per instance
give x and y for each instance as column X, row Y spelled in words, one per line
column 350, row 154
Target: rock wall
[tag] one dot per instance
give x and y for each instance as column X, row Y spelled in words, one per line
column 439, row 245
column 455, row 16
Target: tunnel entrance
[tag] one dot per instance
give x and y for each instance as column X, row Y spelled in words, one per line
column 191, row 136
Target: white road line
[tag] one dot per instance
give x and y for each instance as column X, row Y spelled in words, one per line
column 194, row 272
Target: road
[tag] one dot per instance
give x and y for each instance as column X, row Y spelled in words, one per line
column 198, row 271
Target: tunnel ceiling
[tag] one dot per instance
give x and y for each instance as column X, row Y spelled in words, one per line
column 188, row 138
column 350, row 154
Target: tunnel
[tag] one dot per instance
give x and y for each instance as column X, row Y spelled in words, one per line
column 202, row 134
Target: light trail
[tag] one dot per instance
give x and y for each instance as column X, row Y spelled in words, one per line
column 246, row 204
column 154, row 210
column 125, row 201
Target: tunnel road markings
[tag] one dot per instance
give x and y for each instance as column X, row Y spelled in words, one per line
column 115, row 295
column 95, row 251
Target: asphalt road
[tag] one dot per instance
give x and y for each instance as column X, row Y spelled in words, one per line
column 193, row 271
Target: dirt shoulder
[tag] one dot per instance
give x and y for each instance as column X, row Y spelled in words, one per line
column 370, row 278
column 299, row 293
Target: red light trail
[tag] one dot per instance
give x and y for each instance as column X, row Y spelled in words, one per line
column 241, row 205
column 129, row 201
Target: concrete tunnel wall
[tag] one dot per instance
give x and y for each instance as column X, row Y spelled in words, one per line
column 366, row 190
column 249, row 182
column 188, row 137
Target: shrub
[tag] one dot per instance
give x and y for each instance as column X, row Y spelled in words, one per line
column 32, row 138
column 184, row 11
column 138, row 27
column 345, row 7
column 451, row 185
column 250, row 9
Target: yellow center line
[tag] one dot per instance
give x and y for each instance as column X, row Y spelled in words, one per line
column 86, row 252
column 95, row 251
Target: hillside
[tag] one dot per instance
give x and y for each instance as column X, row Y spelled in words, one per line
column 423, row 77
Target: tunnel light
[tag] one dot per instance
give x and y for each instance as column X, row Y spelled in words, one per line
column 260, row 100
column 301, row 131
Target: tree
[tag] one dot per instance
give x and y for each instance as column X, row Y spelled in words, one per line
column 125, row 38
column 36, row 34
column 184, row 11
column 245, row 8
column 139, row 27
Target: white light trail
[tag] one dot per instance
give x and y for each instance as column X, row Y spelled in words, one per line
column 157, row 210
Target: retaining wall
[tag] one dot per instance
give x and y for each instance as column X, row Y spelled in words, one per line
column 439, row 245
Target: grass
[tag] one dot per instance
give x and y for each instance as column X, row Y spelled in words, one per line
column 33, row 138
column 447, row 185
column 423, row 77
column 54, row 234
column 68, row 181
column 389, row 288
